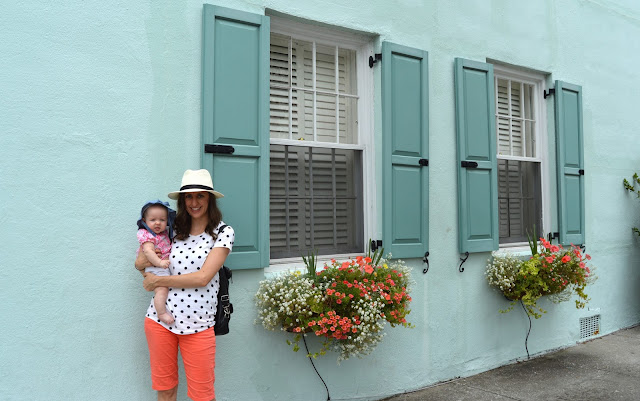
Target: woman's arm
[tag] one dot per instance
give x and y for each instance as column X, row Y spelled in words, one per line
column 209, row 269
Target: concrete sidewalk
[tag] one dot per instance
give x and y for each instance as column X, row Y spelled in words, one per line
column 606, row 368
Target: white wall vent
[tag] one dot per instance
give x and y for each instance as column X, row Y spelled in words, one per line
column 589, row 326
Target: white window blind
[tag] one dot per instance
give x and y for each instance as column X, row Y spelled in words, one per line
column 315, row 190
column 519, row 167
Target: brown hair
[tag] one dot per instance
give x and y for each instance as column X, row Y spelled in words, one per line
column 155, row 205
column 183, row 219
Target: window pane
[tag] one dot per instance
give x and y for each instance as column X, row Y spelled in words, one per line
column 347, row 66
column 504, row 138
column 279, row 113
column 517, row 133
column 519, row 199
column 325, row 68
column 530, row 142
column 302, row 115
column 279, row 61
column 348, row 119
column 327, row 129
column 503, row 97
column 316, row 201
column 303, row 62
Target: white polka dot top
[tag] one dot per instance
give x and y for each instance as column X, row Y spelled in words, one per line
column 194, row 309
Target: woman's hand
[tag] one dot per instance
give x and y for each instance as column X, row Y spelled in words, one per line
column 150, row 281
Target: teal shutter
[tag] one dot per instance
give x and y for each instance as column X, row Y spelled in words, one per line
column 405, row 132
column 235, row 112
column 478, row 182
column 570, row 163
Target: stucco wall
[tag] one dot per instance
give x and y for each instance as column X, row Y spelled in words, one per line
column 100, row 111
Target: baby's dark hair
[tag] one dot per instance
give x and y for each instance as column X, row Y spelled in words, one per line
column 155, row 205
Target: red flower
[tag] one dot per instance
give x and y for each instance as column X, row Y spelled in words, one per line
column 566, row 258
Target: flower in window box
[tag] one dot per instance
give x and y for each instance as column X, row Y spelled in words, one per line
column 552, row 270
column 347, row 303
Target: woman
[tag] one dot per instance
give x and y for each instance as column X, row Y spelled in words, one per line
column 198, row 252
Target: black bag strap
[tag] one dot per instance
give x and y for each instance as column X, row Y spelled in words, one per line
column 224, row 269
column 221, row 229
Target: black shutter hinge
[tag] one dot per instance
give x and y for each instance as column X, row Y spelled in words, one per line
column 373, row 60
column 375, row 244
column 551, row 236
column 581, row 171
column 423, row 162
column 426, row 260
column 467, row 164
column 550, row 92
column 462, row 260
column 225, row 149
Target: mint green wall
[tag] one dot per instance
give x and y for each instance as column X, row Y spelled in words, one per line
column 100, row 110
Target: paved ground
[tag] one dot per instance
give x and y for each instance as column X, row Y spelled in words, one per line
column 607, row 368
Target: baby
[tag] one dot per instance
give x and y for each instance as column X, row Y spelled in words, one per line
column 155, row 231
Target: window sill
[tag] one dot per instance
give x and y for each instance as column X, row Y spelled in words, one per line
column 277, row 266
column 519, row 251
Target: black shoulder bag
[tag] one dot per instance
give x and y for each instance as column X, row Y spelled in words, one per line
column 225, row 307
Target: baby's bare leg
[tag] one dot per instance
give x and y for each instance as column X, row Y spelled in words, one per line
column 159, row 303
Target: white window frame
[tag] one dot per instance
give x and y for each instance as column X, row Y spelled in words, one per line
column 363, row 45
column 541, row 132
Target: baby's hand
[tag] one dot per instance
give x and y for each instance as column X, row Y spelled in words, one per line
column 165, row 264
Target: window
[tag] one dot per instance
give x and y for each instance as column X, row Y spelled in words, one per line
column 318, row 150
column 521, row 130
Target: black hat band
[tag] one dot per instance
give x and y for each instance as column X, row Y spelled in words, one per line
column 196, row 186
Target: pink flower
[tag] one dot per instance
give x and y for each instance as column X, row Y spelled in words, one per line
column 582, row 265
column 554, row 248
column 566, row 258
column 549, row 259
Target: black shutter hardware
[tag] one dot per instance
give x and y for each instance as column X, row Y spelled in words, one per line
column 373, row 60
column 423, row 162
column 375, row 244
column 462, row 260
column 548, row 93
column 224, row 149
column 467, row 164
column 426, row 260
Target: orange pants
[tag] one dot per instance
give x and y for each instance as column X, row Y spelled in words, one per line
column 198, row 354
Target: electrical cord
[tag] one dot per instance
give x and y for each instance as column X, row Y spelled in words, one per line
column 526, row 339
column 314, row 367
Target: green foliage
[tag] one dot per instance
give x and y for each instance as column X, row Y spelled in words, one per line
column 311, row 263
column 632, row 188
column 345, row 304
column 533, row 245
column 376, row 256
column 552, row 270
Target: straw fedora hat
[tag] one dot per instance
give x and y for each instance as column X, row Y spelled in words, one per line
column 196, row 181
